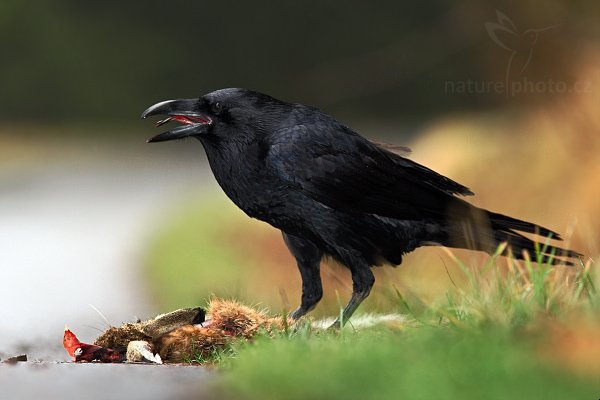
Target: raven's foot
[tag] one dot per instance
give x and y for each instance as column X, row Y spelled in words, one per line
column 298, row 313
column 355, row 300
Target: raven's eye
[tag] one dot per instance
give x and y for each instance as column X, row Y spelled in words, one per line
column 216, row 108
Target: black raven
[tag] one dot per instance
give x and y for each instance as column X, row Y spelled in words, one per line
column 332, row 192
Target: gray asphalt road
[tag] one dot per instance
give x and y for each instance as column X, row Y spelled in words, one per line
column 74, row 219
column 63, row 381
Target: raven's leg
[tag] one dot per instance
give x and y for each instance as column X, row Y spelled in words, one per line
column 308, row 258
column 362, row 282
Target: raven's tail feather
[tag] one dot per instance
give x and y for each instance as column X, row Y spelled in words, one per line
column 519, row 244
column 500, row 221
column 472, row 233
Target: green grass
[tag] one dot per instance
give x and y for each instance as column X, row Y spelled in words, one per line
column 507, row 293
column 489, row 337
column 486, row 342
column 419, row 363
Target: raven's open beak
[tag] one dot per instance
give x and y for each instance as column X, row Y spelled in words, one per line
column 184, row 111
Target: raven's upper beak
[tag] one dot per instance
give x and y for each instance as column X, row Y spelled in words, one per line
column 184, row 111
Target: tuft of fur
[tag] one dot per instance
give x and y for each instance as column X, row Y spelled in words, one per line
column 366, row 321
column 237, row 319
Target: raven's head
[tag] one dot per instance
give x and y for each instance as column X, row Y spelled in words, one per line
column 218, row 115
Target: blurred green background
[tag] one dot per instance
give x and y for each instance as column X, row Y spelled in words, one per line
column 67, row 61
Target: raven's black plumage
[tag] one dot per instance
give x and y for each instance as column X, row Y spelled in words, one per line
column 333, row 192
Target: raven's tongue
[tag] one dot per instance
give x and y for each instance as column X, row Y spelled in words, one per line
column 182, row 119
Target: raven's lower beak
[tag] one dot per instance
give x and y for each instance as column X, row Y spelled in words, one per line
column 184, row 111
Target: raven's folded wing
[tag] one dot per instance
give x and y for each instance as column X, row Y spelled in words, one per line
column 393, row 148
column 342, row 170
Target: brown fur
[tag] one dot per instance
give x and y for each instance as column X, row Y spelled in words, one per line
column 229, row 320
column 236, row 319
column 190, row 342
column 176, row 340
column 118, row 338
